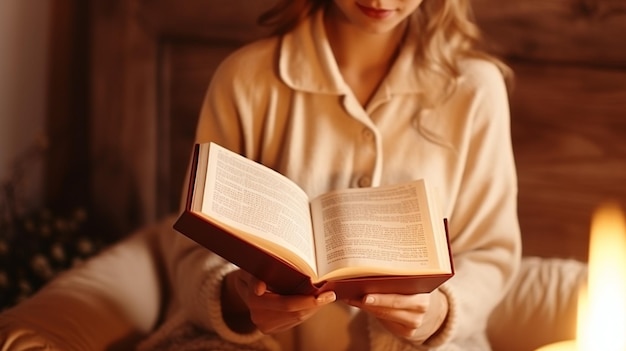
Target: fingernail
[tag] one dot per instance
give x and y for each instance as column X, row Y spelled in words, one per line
column 259, row 290
column 369, row 300
column 326, row 297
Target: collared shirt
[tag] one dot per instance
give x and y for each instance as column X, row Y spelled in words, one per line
column 283, row 102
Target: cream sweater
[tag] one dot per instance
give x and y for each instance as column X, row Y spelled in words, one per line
column 283, row 102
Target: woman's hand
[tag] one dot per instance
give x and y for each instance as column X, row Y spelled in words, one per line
column 414, row 317
column 247, row 304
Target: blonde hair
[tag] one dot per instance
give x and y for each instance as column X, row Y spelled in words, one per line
column 447, row 32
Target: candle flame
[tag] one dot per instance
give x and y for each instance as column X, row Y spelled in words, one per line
column 602, row 304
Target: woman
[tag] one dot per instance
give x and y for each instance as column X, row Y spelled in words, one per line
column 356, row 94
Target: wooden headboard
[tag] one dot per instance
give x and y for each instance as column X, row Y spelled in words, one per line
column 152, row 61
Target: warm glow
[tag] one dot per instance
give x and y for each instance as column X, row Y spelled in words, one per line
column 602, row 303
column 602, row 322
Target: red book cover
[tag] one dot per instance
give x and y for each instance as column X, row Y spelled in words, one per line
column 281, row 276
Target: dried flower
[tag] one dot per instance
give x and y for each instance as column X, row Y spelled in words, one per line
column 29, row 226
column 85, row 246
column 41, row 267
column 80, row 215
column 25, row 286
column 57, row 252
column 35, row 244
column 45, row 231
column 61, row 225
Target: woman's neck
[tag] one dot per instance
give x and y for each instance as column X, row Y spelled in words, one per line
column 364, row 58
column 358, row 50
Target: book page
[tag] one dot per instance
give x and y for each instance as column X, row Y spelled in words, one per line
column 382, row 230
column 257, row 200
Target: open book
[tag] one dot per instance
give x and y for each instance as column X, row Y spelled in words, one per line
column 388, row 239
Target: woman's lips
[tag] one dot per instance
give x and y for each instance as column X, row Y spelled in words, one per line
column 374, row 13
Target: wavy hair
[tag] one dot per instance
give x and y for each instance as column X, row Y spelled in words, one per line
column 447, row 31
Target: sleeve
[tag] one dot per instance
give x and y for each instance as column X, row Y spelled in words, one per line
column 485, row 234
column 486, row 237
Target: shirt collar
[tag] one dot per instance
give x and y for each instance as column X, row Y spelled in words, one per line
column 307, row 62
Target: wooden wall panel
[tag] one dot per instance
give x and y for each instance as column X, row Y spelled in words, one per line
column 569, row 137
column 568, row 112
column 568, row 31
column 204, row 18
column 123, row 139
column 145, row 79
column 67, row 153
column 186, row 70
